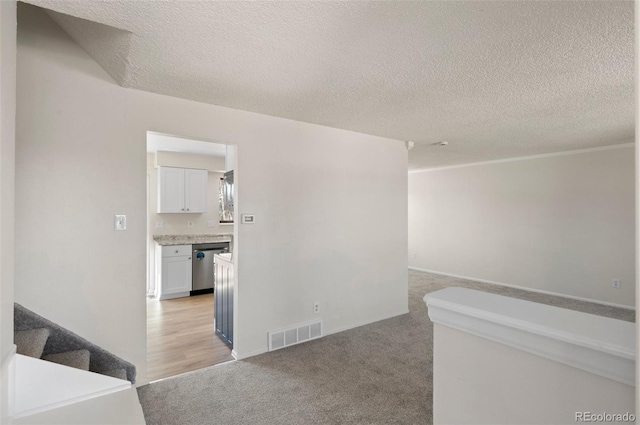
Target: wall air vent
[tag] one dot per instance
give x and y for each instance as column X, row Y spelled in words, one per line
column 294, row 335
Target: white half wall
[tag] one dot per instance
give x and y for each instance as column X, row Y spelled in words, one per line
column 563, row 224
column 498, row 384
column 510, row 361
column 327, row 203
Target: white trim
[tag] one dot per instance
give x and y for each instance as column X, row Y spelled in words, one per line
column 41, row 385
column 243, row 356
column 141, row 382
column 524, row 288
column 8, row 373
column 364, row 323
column 595, row 344
column 8, row 355
column 191, row 372
column 526, row 158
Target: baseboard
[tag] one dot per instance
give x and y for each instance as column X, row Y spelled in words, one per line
column 201, row 292
column 142, row 382
column 243, row 356
column 524, row 288
column 176, row 295
column 364, row 323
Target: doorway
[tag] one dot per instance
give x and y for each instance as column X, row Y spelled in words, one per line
column 181, row 336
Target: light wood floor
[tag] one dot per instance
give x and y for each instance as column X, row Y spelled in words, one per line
column 181, row 338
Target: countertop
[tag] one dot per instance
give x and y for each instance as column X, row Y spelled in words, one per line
column 192, row 239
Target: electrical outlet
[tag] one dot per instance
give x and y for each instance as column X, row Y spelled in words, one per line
column 189, row 223
column 616, row 283
column 211, row 223
column 316, row 307
column 414, row 255
column 159, row 224
column 120, row 222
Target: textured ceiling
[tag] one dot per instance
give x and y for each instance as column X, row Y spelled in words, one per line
column 495, row 79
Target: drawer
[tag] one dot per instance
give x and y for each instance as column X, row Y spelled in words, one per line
column 176, row 250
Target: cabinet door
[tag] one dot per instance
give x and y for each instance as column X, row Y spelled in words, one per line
column 196, row 183
column 218, row 292
column 223, row 296
column 175, row 275
column 171, row 190
column 230, row 289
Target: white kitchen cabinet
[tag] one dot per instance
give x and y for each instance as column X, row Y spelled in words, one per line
column 175, row 271
column 182, row 190
column 195, row 190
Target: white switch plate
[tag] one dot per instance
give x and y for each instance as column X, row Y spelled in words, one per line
column 211, row 223
column 159, row 224
column 120, row 222
column 248, row 218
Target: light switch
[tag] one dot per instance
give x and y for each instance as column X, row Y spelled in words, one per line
column 159, row 224
column 120, row 222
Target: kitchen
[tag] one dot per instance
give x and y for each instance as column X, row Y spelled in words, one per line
column 190, row 226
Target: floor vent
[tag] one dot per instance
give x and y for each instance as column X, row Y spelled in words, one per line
column 294, row 335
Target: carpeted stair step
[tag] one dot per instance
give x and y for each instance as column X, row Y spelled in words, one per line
column 116, row 373
column 78, row 359
column 31, row 342
column 61, row 340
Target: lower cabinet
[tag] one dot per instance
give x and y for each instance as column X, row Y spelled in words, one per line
column 223, row 296
column 175, row 271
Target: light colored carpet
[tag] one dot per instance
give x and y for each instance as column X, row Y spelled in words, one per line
column 376, row 374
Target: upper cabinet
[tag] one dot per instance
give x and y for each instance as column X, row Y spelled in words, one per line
column 182, row 190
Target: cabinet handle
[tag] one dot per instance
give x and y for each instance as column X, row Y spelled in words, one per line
column 189, row 258
column 183, row 209
column 176, row 251
column 187, row 209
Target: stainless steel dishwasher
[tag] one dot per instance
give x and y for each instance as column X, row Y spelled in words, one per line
column 202, row 266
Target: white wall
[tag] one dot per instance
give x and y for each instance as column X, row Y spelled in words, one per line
column 328, row 204
column 230, row 158
column 478, row 381
column 7, row 179
column 563, row 224
column 637, row 205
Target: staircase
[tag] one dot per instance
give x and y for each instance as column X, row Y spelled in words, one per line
column 59, row 378
column 38, row 337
